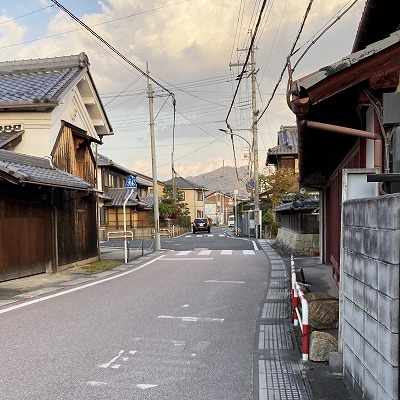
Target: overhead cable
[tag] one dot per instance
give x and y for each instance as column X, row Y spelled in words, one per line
column 246, row 61
column 145, row 74
column 285, row 66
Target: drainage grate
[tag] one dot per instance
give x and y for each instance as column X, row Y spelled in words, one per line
column 275, row 310
column 275, row 337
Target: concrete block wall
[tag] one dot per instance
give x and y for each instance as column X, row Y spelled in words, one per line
column 370, row 293
column 299, row 243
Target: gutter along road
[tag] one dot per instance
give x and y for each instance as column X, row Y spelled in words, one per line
column 178, row 325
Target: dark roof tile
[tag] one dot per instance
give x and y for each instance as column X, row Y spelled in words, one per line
column 39, row 171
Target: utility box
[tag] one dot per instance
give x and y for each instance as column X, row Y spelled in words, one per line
column 391, row 108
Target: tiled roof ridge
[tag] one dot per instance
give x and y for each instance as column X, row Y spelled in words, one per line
column 80, row 60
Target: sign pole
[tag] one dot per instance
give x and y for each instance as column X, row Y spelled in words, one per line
column 130, row 184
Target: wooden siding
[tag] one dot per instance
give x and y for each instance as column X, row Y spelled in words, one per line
column 73, row 154
column 76, row 227
column 355, row 159
column 25, row 234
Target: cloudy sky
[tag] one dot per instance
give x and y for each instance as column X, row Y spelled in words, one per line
column 190, row 46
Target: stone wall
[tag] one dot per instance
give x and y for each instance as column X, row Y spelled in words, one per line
column 370, row 296
column 306, row 244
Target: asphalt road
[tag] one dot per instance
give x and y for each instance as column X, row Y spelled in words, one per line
column 180, row 326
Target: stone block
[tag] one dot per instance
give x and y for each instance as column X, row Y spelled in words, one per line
column 388, row 377
column 388, row 279
column 336, row 362
column 359, row 293
column 347, row 234
column 359, row 346
column 359, row 270
column 348, row 286
column 388, row 312
column 371, row 330
column 348, row 334
column 371, row 213
column 348, row 211
column 370, row 242
column 388, row 212
column 388, row 345
column 371, row 302
column 382, row 394
column 323, row 310
column 347, row 262
column 371, row 359
column 359, row 215
column 356, row 242
column 358, row 319
column 370, row 272
column 370, row 386
column 388, row 246
column 321, row 344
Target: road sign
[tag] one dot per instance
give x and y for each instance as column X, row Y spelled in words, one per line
column 250, row 184
column 130, row 183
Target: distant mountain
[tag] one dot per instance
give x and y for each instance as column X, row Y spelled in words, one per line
column 223, row 179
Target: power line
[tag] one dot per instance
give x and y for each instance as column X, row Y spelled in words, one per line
column 80, row 22
column 285, row 66
column 246, row 61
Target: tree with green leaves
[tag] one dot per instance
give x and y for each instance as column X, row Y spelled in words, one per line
column 174, row 209
column 277, row 185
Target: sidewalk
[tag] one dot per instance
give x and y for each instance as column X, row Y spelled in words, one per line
column 281, row 372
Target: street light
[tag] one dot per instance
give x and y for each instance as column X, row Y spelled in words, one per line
column 235, row 134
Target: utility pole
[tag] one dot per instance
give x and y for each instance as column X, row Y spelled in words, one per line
column 157, row 242
column 255, row 143
column 254, row 130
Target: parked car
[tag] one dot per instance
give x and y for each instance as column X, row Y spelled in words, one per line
column 231, row 221
column 201, row 224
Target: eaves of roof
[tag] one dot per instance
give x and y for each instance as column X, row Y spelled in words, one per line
column 361, row 57
column 118, row 197
column 298, row 206
column 22, row 169
column 105, row 162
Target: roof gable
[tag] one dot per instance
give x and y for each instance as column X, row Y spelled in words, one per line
column 41, row 84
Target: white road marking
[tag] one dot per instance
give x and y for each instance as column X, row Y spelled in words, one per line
column 226, row 252
column 75, row 289
column 255, row 245
column 213, row 281
column 96, row 383
column 205, row 253
column 145, row 386
column 192, row 319
column 106, row 365
column 186, row 305
column 187, row 259
column 222, row 235
column 249, row 252
column 183, row 253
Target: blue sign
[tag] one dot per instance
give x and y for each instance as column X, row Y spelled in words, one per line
column 130, row 183
column 250, row 184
